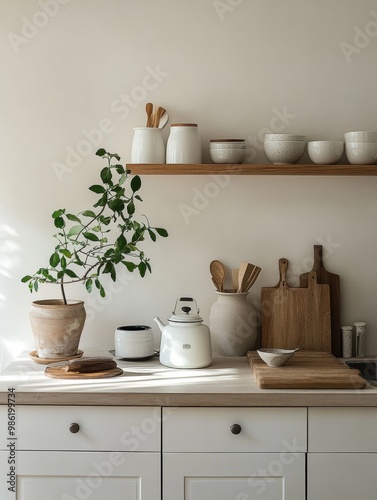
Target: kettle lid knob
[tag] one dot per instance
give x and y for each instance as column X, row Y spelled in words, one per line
column 186, row 309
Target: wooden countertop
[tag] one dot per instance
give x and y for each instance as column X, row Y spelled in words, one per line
column 227, row 382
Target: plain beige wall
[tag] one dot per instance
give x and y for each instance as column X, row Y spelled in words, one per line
column 75, row 71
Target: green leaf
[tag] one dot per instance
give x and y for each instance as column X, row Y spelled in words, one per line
column 73, row 218
column 131, row 208
column 162, row 232
column 119, row 169
column 88, row 213
column 74, row 230
column 101, row 152
column 63, row 262
column 59, row 222
column 135, row 183
column 115, row 155
column 122, row 179
column 54, row 259
column 27, row 278
column 152, row 235
column 138, row 197
column 65, row 252
column 102, row 292
column 106, row 175
column 90, row 236
column 58, row 213
column 142, row 269
column 70, row 273
column 89, row 284
column 60, row 275
column 116, row 205
column 35, row 285
column 131, row 266
column 102, row 201
column 97, row 188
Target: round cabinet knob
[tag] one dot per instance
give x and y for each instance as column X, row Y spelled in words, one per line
column 74, row 428
column 235, row 429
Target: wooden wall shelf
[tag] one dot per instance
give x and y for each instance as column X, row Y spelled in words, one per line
column 243, row 169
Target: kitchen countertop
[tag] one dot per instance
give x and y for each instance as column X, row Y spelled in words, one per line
column 227, row 382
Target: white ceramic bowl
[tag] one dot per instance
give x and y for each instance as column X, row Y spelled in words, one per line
column 284, row 137
column 325, row 152
column 227, row 155
column 227, row 144
column 275, row 357
column 361, row 153
column 284, row 152
column 363, row 136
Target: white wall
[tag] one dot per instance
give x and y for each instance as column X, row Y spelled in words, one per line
column 232, row 66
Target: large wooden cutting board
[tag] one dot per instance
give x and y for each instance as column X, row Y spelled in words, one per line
column 331, row 279
column 306, row 370
column 296, row 317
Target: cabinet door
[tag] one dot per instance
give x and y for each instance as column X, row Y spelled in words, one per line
column 342, row 476
column 236, row 476
column 81, row 475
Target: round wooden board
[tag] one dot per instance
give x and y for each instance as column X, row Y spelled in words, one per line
column 54, row 372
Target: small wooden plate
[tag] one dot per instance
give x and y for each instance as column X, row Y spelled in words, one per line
column 55, row 372
column 46, row 361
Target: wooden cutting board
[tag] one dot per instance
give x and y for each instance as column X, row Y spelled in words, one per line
column 296, row 317
column 306, row 370
column 331, row 279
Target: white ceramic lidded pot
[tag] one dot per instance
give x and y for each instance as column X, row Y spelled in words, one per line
column 147, row 145
column 134, row 342
column 184, row 144
column 232, row 324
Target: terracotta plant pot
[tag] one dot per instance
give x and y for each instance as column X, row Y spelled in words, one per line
column 57, row 327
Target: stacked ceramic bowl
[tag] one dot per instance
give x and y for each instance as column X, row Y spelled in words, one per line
column 227, row 150
column 284, row 149
column 361, row 147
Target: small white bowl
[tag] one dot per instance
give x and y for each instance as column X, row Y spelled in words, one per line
column 363, row 136
column 284, row 137
column 275, row 357
column 227, row 155
column 284, row 152
column 325, row 152
column 227, row 145
column 361, row 153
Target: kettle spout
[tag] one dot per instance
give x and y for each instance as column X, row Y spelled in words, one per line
column 160, row 323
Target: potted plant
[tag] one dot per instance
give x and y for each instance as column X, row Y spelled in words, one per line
column 89, row 245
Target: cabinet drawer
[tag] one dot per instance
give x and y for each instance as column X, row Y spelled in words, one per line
column 342, row 429
column 99, row 428
column 210, row 430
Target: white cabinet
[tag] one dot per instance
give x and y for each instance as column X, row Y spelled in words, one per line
column 70, row 453
column 342, row 453
column 238, row 453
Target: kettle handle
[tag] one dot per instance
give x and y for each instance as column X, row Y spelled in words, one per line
column 187, row 299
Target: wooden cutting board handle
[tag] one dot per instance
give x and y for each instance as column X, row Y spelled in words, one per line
column 283, row 266
column 318, row 259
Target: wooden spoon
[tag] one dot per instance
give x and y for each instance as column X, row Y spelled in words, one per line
column 149, row 111
column 244, row 274
column 218, row 273
column 157, row 116
column 253, row 277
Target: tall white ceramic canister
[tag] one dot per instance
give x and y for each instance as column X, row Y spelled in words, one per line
column 147, row 145
column 184, row 144
column 346, row 341
column 233, row 325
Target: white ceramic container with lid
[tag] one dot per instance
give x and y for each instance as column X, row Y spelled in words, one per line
column 134, row 342
column 184, row 144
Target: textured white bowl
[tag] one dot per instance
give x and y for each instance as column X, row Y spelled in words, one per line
column 361, row 153
column 325, row 152
column 275, row 357
column 284, row 152
column 227, row 155
column 284, row 137
column 363, row 136
column 227, row 145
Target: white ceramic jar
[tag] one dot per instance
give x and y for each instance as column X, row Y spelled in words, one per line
column 184, row 144
column 147, row 145
column 232, row 324
column 133, row 342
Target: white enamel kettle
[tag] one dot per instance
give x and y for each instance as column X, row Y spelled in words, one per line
column 185, row 341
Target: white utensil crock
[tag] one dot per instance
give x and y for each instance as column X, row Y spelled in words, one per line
column 232, row 324
column 148, row 145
